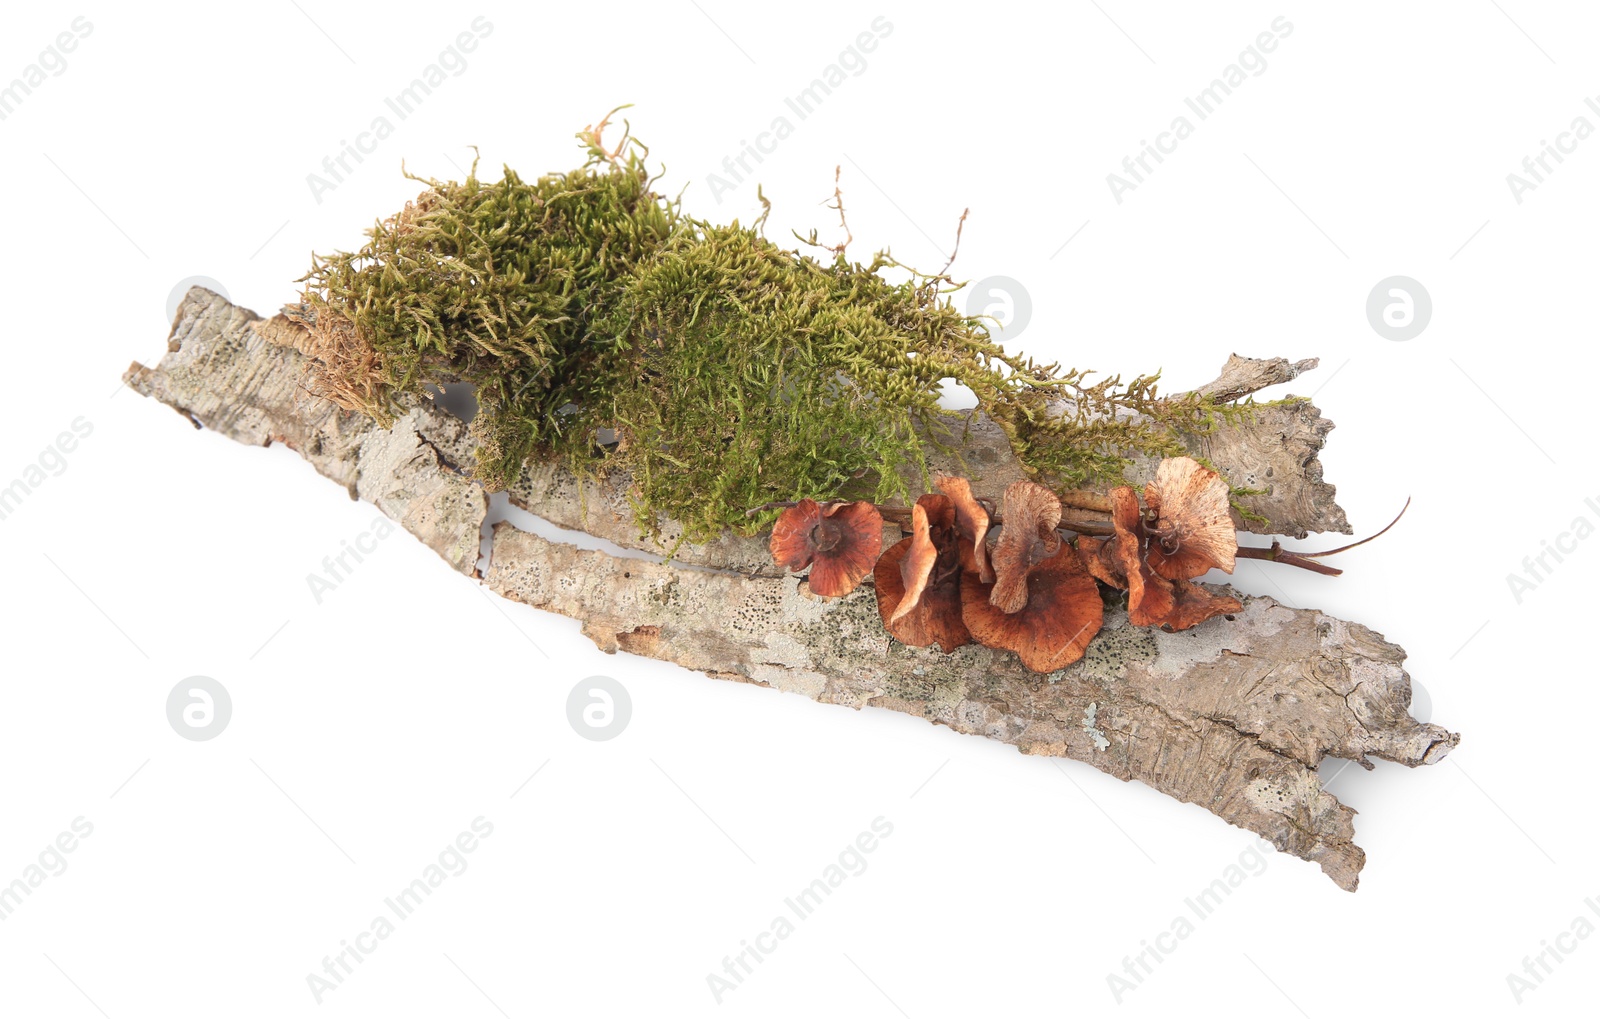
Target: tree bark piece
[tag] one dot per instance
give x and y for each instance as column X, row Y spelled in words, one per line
column 222, row 371
column 1243, row 376
column 1234, row 715
column 1278, row 452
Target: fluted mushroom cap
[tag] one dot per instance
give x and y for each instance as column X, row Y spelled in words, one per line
column 840, row 541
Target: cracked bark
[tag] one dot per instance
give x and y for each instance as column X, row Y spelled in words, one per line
column 1233, row 715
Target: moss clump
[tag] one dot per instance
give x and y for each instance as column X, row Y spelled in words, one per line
column 731, row 371
column 496, row 285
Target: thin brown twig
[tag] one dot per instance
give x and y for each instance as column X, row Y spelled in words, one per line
column 766, row 210
column 945, row 272
column 1363, row 541
column 1276, row 553
column 838, row 203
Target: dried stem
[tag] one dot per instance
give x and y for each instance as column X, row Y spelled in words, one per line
column 1363, row 541
column 838, row 203
column 945, row 272
column 1276, row 553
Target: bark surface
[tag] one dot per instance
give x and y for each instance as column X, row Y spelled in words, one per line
column 1234, row 715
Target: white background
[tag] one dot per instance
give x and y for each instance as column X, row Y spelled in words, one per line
column 370, row 729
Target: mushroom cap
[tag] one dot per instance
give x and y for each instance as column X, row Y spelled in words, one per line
column 972, row 520
column 918, row 581
column 1150, row 595
column 916, row 567
column 840, row 542
column 791, row 543
column 1030, row 514
column 1194, row 529
column 1153, row 600
column 1194, row 604
column 1096, row 556
column 1061, row 614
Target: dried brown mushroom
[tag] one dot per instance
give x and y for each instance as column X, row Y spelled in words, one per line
column 840, row 541
column 1153, row 600
column 1061, row 613
column 1149, row 594
column 1031, row 592
column 1096, row 556
column 1192, row 529
column 1030, row 514
column 972, row 521
column 918, row 580
column 1193, row 604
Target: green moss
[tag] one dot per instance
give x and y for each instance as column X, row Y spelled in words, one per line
column 733, row 372
column 496, row 285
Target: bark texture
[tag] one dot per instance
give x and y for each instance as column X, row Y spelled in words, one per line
column 1233, row 715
